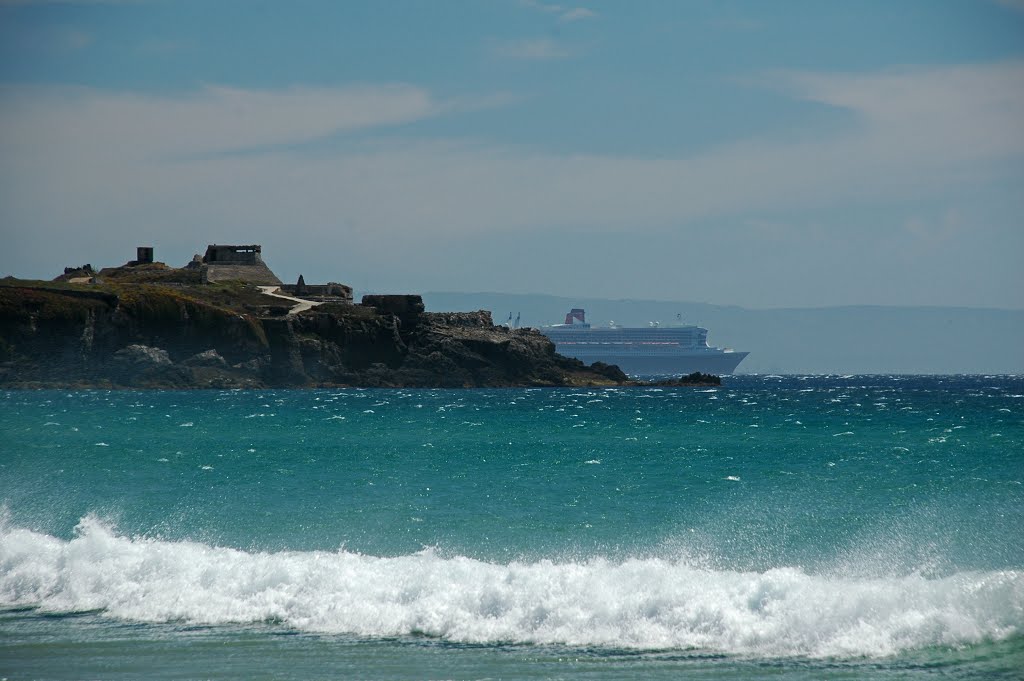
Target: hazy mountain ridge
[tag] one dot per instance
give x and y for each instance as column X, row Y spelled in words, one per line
column 846, row 339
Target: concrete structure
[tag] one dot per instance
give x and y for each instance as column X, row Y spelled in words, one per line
column 240, row 255
column 144, row 255
column 331, row 292
column 243, row 263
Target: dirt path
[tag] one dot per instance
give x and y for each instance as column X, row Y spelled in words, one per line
column 300, row 304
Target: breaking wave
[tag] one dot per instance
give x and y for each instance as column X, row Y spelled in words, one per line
column 647, row 603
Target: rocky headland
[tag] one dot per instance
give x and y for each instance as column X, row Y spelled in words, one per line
column 123, row 333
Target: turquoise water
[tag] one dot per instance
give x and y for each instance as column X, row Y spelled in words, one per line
column 793, row 527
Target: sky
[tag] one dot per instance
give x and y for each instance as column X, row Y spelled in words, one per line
column 765, row 155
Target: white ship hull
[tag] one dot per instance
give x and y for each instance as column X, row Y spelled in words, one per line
column 644, row 351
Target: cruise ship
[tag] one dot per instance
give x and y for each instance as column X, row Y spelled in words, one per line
column 646, row 351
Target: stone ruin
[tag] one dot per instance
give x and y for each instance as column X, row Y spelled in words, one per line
column 331, row 292
column 242, row 263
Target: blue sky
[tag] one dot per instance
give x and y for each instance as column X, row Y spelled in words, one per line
column 747, row 153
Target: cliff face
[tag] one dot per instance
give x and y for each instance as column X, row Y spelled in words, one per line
column 436, row 349
column 152, row 336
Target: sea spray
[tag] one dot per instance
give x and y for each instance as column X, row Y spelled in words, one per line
column 643, row 603
column 894, row 551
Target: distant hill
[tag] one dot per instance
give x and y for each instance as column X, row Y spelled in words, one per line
column 848, row 340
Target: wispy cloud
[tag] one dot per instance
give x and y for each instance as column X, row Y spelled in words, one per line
column 116, row 161
column 961, row 110
column 55, row 38
column 1012, row 4
column 67, row 38
column 913, row 132
column 70, row 2
column 577, row 14
column 563, row 13
column 937, row 229
column 163, row 46
column 539, row 48
column 215, row 118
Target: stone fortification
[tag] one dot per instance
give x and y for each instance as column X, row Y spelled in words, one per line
column 237, row 263
column 331, row 292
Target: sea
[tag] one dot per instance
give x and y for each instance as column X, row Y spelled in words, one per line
column 781, row 527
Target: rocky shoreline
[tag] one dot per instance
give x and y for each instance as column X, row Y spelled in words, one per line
column 230, row 336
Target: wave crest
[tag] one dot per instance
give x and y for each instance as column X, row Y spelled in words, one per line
column 647, row 603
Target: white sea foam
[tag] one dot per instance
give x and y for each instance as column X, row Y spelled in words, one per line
column 641, row 603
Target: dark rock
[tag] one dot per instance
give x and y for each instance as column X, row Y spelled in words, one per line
column 253, row 365
column 143, row 366
column 57, row 337
column 142, row 357
column 610, row 371
column 285, row 367
column 407, row 308
column 696, row 378
column 481, row 319
column 209, row 358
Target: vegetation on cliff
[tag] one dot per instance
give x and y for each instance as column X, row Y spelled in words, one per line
column 173, row 334
column 122, row 333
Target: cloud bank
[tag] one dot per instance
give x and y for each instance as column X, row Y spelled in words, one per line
column 76, row 160
column 564, row 14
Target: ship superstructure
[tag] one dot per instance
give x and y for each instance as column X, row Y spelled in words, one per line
column 642, row 351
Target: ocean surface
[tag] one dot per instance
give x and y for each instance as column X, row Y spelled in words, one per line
column 842, row 527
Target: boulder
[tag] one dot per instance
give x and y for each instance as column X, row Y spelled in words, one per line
column 209, row 358
column 143, row 366
column 142, row 357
